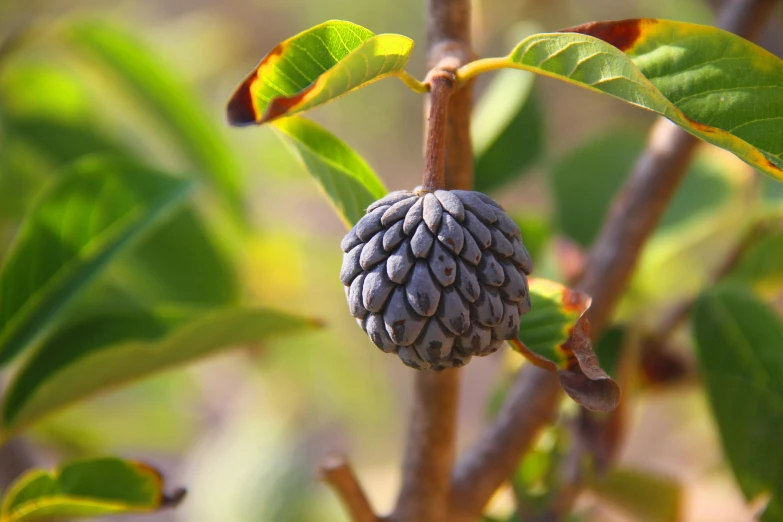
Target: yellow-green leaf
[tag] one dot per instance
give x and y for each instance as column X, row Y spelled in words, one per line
column 87, row 488
column 104, row 350
column 315, row 67
column 645, row 496
column 554, row 335
column 714, row 84
column 348, row 181
column 89, row 214
column 156, row 88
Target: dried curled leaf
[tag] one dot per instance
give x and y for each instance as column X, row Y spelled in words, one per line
column 557, row 328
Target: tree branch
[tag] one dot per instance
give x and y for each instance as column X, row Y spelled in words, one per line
column 431, row 445
column 429, row 454
column 530, row 405
column 336, row 472
column 633, row 217
column 746, row 18
column 441, row 87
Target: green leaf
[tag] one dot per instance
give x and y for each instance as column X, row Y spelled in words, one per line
column 772, row 195
column 348, row 181
column 86, row 217
column 103, row 351
column 536, row 230
column 315, row 67
column 761, row 266
column 554, row 335
column 87, row 488
column 156, row 88
column 738, row 340
column 179, row 262
column 586, row 180
column 644, row 496
column 60, row 143
column 716, row 85
column 507, row 130
column 161, row 265
column 553, row 313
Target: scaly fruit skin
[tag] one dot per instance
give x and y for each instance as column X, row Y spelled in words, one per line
column 436, row 277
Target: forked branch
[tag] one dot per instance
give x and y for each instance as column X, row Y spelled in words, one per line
column 532, row 401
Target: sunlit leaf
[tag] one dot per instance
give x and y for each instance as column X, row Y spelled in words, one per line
column 647, row 497
column 156, row 88
column 716, row 85
column 161, row 266
column 86, row 217
column 26, row 88
column 103, row 351
column 507, row 130
column 348, row 181
column 315, row 67
column 739, row 343
column 87, row 488
column 555, row 335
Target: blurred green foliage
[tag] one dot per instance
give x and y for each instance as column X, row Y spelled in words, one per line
column 137, row 233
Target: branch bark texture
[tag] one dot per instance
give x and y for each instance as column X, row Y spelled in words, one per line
column 336, row 472
column 431, row 445
column 533, row 399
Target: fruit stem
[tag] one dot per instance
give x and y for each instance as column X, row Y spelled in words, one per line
column 441, row 84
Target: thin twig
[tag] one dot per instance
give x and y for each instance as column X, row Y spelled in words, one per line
column 659, row 364
column 634, row 216
column 441, row 86
column 680, row 313
column 336, row 472
column 448, row 44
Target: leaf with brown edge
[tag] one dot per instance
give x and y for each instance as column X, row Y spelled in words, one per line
column 87, row 488
column 716, row 85
column 555, row 335
column 315, row 67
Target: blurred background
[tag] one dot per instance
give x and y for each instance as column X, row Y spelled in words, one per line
column 245, row 431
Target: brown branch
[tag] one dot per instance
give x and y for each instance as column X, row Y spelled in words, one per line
column 531, row 405
column 633, row 217
column 665, row 161
column 448, row 44
column 336, row 472
column 430, row 450
column 441, row 87
column 429, row 454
